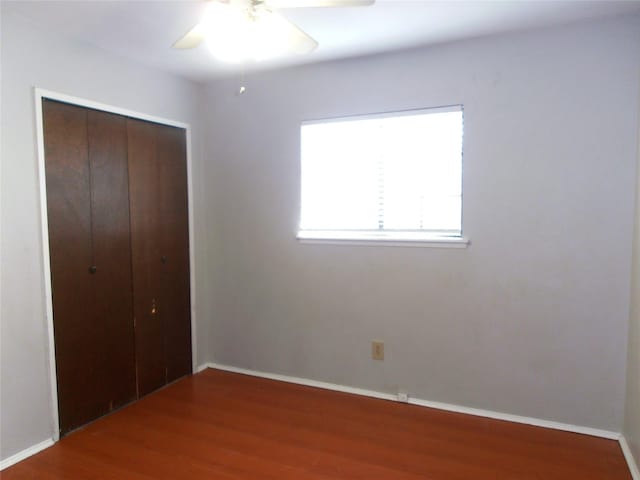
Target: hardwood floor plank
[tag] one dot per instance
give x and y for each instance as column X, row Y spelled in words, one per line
column 220, row 425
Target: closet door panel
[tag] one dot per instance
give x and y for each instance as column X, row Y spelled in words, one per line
column 107, row 136
column 174, row 245
column 69, row 219
column 146, row 217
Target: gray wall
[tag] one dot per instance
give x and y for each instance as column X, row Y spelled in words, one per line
column 28, row 59
column 631, row 428
column 532, row 318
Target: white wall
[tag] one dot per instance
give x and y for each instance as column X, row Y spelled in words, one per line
column 631, row 428
column 30, row 59
column 531, row 319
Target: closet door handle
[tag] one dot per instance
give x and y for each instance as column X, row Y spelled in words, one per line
column 93, row 269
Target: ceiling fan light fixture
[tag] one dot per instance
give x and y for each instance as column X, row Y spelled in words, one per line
column 236, row 35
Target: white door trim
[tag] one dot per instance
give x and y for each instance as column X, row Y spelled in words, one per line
column 41, row 94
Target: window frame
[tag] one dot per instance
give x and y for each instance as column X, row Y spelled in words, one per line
column 403, row 238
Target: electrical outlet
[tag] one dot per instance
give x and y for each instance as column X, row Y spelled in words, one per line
column 377, row 350
column 403, row 396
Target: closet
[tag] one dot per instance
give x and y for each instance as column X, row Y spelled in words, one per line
column 117, row 210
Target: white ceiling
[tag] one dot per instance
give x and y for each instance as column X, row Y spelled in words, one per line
column 144, row 30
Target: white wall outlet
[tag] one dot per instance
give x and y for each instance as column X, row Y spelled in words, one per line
column 403, row 397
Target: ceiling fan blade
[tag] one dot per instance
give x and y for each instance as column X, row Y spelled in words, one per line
column 317, row 3
column 275, row 36
column 192, row 39
column 301, row 43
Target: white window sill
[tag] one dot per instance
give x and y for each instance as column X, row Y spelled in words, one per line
column 382, row 239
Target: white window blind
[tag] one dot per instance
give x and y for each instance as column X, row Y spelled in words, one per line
column 395, row 176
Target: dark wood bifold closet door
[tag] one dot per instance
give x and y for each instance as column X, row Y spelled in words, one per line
column 160, row 252
column 89, row 239
column 174, row 249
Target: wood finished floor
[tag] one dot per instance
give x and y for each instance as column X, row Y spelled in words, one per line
column 219, row 425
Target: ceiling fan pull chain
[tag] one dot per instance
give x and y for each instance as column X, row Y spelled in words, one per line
column 242, row 88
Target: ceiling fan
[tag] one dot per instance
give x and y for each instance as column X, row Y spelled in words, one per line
column 241, row 30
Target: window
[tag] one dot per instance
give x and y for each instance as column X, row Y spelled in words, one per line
column 387, row 177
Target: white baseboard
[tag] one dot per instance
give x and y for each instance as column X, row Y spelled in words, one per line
column 27, row 452
column 631, row 461
column 566, row 427
column 304, row 381
column 425, row 403
column 202, row 367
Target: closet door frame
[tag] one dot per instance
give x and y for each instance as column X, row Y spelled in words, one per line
column 40, row 95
